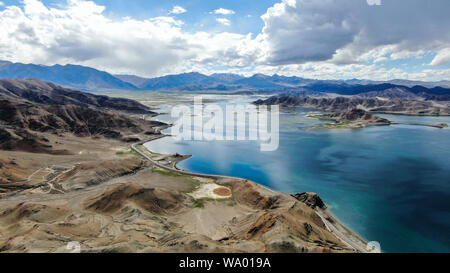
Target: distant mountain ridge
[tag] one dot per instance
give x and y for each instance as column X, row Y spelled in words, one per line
column 134, row 80
column 86, row 78
column 70, row 76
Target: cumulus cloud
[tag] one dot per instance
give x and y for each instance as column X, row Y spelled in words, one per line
column 443, row 57
column 224, row 21
column 80, row 33
column 374, row 2
column 300, row 31
column 1, row 3
column 223, row 11
column 177, row 10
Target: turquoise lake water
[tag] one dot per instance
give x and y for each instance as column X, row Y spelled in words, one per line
column 389, row 184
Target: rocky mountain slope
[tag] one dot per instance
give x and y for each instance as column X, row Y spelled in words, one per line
column 119, row 203
column 50, row 94
column 356, row 115
column 71, row 76
column 110, row 199
column 28, row 107
column 352, row 119
column 134, row 80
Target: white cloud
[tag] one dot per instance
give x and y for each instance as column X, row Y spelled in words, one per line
column 300, row 31
column 1, row 3
column 177, row 10
column 443, row 57
column 317, row 39
column 224, row 21
column 374, row 2
column 80, row 33
column 223, row 11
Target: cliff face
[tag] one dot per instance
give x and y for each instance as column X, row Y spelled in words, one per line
column 311, row 199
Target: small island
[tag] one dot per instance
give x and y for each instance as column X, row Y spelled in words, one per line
column 351, row 119
column 359, row 118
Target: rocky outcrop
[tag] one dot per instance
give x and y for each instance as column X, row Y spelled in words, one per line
column 248, row 193
column 358, row 117
column 311, row 199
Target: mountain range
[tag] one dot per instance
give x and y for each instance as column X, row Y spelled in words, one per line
column 86, row 78
column 70, row 76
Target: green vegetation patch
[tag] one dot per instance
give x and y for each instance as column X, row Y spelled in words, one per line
column 128, row 153
column 194, row 183
column 199, row 204
column 167, row 173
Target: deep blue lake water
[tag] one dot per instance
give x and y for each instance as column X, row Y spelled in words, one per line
column 389, row 184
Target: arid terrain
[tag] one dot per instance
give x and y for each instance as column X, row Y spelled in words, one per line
column 75, row 178
column 112, row 200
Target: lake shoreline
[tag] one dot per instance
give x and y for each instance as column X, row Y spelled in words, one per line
column 332, row 223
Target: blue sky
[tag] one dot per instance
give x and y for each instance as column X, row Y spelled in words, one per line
column 197, row 17
column 327, row 39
